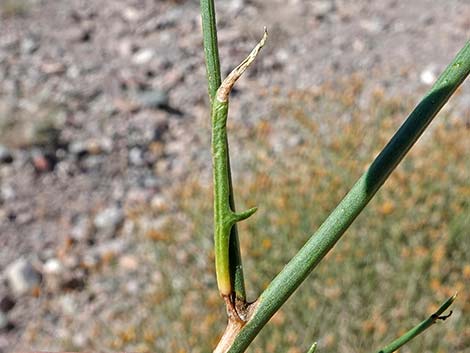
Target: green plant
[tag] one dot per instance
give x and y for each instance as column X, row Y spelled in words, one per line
column 245, row 320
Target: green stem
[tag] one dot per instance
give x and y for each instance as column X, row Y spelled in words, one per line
column 224, row 217
column 295, row 272
column 211, row 51
column 420, row 328
column 313, row 348
column 211, row 47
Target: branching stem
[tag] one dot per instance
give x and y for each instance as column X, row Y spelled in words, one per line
column 243, row 329
column 332, row 229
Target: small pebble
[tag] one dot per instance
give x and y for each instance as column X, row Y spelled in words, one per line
column 153, row 99
column 128, row 263
column 53, row 267
column 22, row 276
column 143, row 56
column 3, row 321
column 109, row 219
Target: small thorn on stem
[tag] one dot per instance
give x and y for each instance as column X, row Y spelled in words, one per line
column 241, row 216
column 442, row 317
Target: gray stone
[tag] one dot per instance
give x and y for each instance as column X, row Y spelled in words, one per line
column 22, row 276
column 373, row 26
column 153, row 99
column 78, row 148
column 29, row 45
column 322, row 8
column 81, row 229
column 3, row 321
column 109, row 219
column 136, row 156
column 7, row 193
column 68, row 305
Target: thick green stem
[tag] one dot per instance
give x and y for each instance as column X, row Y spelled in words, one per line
column 420, row 328
column 211, row 51
column 295, row 272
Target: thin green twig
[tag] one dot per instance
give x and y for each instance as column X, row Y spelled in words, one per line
column 313, row 348
column 211, row 48
column 420, row 328
column 211, row 51
column 224, row 216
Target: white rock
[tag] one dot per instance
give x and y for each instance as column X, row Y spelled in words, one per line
column 68, row 305
column 91, row 260
column 143, row 56
column 322, row 8
column 135, row 156
column 132, row 287
column 128, row 263
column 131, row 14
column 7, row 193
column 158, row 203
column 3, row 320
column 126, row 47
column 22, row 276
column 80, row 340
column 81, row 229
column 428, row 76
column 53, row 267
column 373, row 26
column 109, row 219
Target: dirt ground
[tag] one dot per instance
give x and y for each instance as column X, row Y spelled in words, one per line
column 103, row 114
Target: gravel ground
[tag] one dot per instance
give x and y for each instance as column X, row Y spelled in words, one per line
column 103, row 112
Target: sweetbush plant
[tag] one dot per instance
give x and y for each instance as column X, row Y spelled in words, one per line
column 245, row 319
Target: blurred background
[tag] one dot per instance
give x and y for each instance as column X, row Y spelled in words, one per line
column 105, row 172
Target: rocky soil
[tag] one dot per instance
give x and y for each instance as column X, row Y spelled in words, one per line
column 103, row 114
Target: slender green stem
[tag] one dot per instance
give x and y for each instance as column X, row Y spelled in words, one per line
column 211, row 47
column 211, row 51
column 313, row 348
column 420, row 328
column 295, row 272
